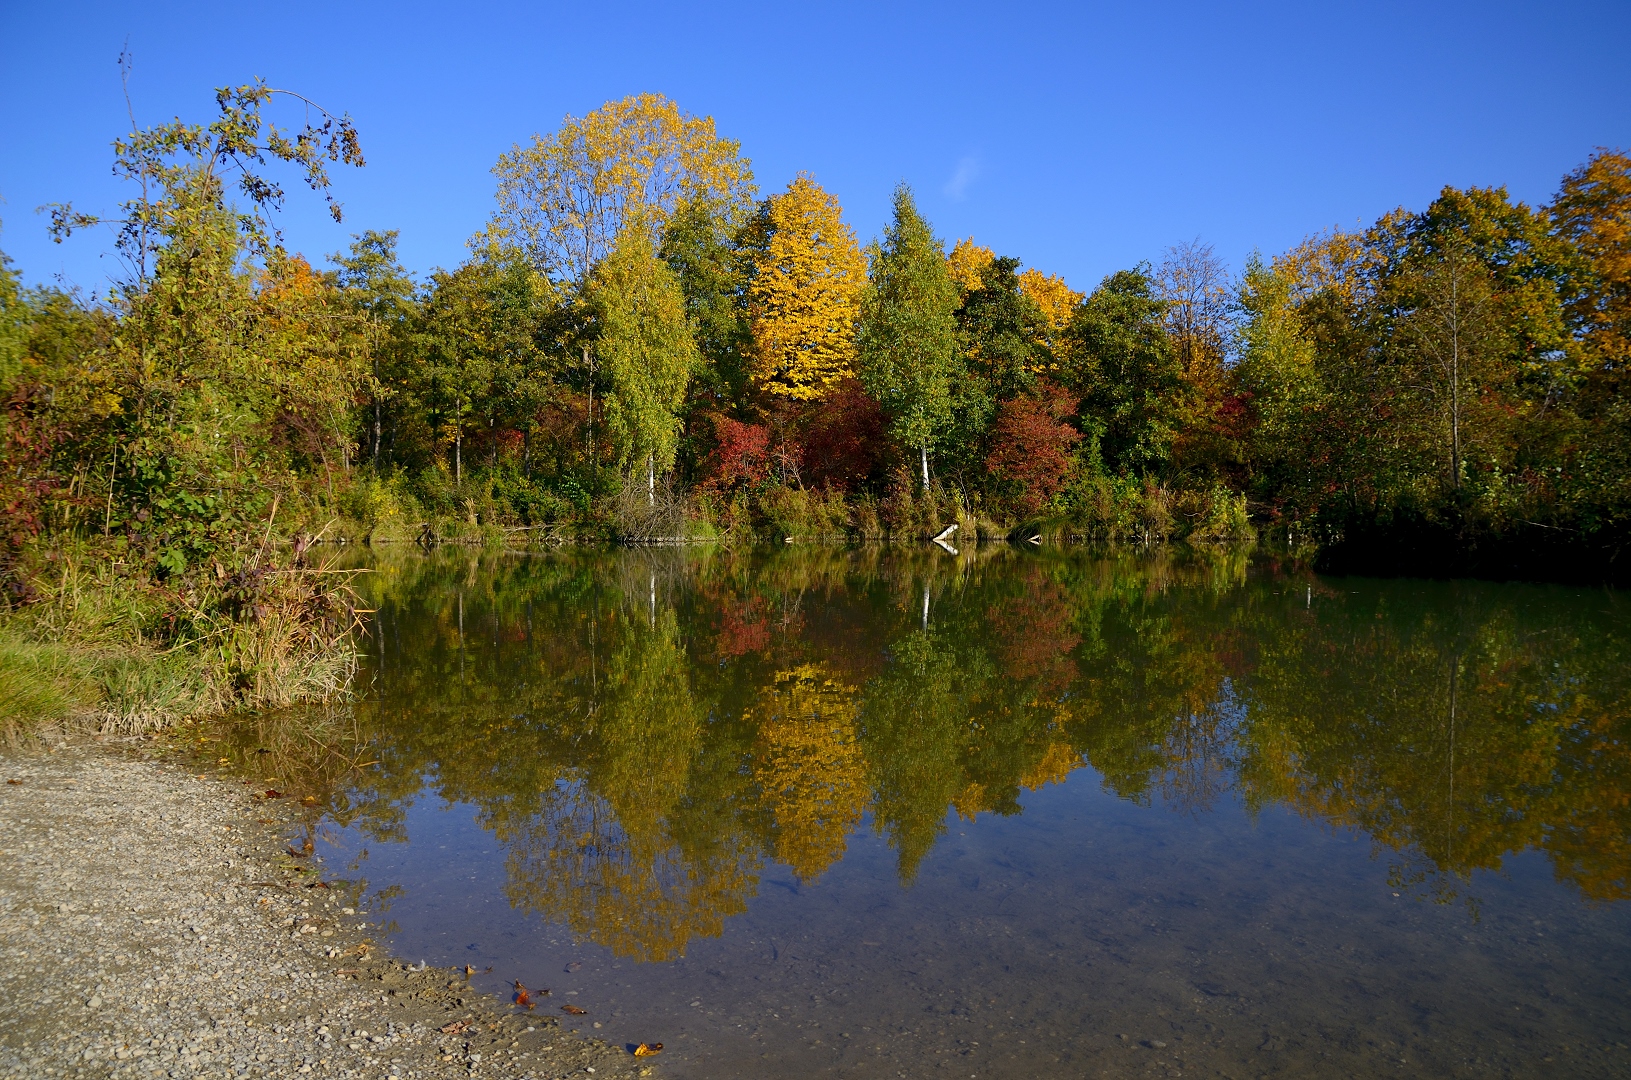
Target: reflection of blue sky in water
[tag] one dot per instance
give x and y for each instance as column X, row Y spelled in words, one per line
column 631, row 778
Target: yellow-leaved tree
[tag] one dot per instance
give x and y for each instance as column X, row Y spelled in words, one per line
column 967, row 262
column 1056, row 299
column 567, row 197
column 806, row 292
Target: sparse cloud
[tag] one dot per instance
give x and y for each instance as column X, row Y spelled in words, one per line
column 967, row 171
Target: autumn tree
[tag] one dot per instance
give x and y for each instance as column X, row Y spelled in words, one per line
column 648, row 353
column 1195, row 285
column 908, row 330
column 1448, row 341
column 570, row 196
column 1030, row 448
column 967, row 262
column 999, row 330
column 1057, row 301
column 1592, row 211
column 232, row 362
column 808, row 276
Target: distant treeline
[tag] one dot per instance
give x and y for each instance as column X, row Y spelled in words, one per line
column 642, row 345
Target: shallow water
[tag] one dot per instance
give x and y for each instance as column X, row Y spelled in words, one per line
column 876, row 814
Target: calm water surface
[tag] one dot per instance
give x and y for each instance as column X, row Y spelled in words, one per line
column 885, row 814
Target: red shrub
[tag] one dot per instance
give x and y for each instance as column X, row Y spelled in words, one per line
column 1031, row 448
column 740, row 456
column 844, row 438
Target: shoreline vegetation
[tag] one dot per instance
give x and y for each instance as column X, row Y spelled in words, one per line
column 643, row 347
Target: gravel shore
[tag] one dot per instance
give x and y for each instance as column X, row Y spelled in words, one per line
column 152, row 923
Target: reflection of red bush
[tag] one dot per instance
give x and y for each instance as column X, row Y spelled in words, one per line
column 740, row 455
column 1031, row 447
column 843, row 438
column 743, row 628
column 1035, row 635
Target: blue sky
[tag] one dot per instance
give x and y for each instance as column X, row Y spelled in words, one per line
column 1079, row 138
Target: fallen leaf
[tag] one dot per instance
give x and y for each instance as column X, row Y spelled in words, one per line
column 648, row 1049
column 574, row 965
column 574, row 1010
column 297, row 854
column 270, row 794
column 468, row 971
column 522, row 998
column 455, row 1027
column 309, row 800
column 13, row 781
column 318, row 885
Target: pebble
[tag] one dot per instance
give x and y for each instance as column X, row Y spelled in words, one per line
column 139, row 938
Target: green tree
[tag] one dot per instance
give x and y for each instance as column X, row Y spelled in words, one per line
column 908, row 330
column 379, row 286
column 1129, row 377
column 648, row 353
column 483, row 361
column 700, row 247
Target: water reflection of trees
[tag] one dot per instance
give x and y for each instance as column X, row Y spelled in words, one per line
column 642, row 733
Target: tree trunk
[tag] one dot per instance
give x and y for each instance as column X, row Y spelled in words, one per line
column 923, row 451
column 458, row 440
column 651, row 479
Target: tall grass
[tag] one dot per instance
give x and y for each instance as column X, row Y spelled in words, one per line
column 110, row 651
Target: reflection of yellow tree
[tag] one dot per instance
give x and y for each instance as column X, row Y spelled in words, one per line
column 646, row 898
column 600, row 853
column 808, row 765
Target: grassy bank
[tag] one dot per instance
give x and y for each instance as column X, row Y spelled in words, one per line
column 103, row 647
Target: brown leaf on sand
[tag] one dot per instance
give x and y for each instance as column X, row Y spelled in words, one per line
column 468, row 971
column 454, row 1028
column 309, row 800
column 648, row 1049
column 270, row 794
column 574, row 1010
column 13, row 781
column 522, row 997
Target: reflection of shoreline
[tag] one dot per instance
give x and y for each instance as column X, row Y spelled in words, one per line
column 710, row 713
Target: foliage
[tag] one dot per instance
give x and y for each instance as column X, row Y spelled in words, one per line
column 1130, row 379
column 808, row 275
column 1031, row 448
column 648, row 352
column 569, row 198
column 908, row 333
column 1592, row 213
column 967, row 262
